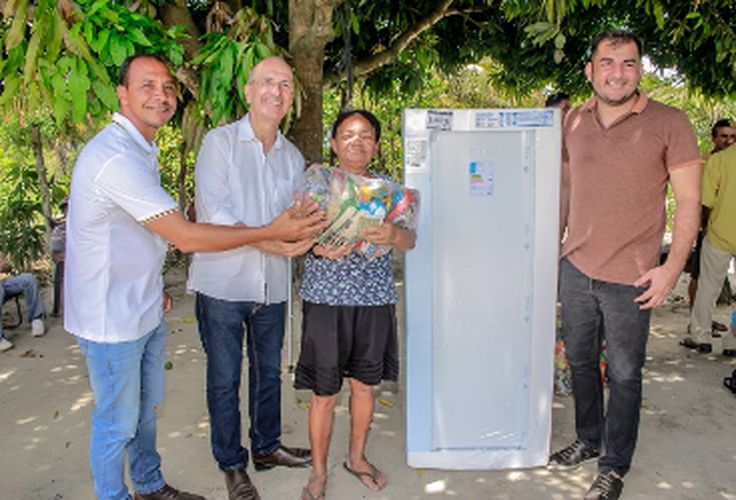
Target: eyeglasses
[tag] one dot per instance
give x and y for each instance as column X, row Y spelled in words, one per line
column 271, row 84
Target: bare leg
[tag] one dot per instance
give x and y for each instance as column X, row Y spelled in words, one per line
column 692, row 289
column 361, row 415
column 321, row 420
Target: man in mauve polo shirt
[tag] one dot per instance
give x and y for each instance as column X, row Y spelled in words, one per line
column 620, row 150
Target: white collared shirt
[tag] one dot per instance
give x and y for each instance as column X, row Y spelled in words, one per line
column 113, row 287
column 236, row 182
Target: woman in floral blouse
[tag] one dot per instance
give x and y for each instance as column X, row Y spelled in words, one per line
column 349, row 327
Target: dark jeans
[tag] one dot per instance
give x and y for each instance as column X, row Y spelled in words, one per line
column 221, row 328
column 592, row 310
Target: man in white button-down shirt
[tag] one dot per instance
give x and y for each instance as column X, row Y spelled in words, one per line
column 245, row 174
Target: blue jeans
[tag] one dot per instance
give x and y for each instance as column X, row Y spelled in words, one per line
column 221, row 328
column 128, row 383
column 24, row 284
column 591, row 311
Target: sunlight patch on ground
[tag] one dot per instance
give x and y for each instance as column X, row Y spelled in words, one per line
column 25, row 421
column 664, row 486
column 674, row 362
column 35, row 442
column 657, row 333
column 665, row 377
column 7, row 374
column 83, row 401
column 517, row 475
column 436, row 487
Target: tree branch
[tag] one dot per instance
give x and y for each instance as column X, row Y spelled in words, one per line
column 178, row 14
column 400, row 44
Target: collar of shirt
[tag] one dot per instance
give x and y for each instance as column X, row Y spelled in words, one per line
column 639, row 106
column 146, row 147
column 246, row 133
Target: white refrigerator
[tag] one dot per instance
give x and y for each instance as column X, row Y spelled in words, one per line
column 481, row 286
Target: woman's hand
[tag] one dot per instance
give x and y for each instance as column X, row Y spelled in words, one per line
column 390, row 234
column 332, row 252
column 385, row 234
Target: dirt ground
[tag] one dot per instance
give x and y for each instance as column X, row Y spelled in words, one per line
column 687, row 442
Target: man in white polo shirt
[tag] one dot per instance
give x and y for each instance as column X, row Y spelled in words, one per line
column 118, row 222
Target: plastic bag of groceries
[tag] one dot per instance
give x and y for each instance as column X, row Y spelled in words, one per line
column 352, row 203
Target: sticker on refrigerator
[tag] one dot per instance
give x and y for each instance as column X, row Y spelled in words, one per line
column 481, row 179
column 416, row 152
column 439, row 119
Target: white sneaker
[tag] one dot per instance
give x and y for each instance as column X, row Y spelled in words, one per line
column 37, row 328
column 5, row 344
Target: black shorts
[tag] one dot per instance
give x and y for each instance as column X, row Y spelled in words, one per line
column 358, row 342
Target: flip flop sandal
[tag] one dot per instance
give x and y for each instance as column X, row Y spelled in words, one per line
column 373, row 475
column 715, row 325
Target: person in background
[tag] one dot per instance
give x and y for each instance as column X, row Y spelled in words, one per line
column 58, row 246
column 718, row 243
column 246, row 173
column 119, row 222
column 723, row 134
column 559, row 100
column 24, row 284
column 349, row 326
column 620, row 150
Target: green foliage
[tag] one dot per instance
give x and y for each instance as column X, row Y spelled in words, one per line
column 169, row 140
column 470, row 86
column 22, row 223
column 226, row 60
column 21, row 226
column 66, row 59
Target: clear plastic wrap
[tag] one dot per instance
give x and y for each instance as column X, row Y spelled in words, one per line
column 352, row 203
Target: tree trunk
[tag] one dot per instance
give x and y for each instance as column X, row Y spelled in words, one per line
column 43, row 184
column 310, row 29
column 177, row 13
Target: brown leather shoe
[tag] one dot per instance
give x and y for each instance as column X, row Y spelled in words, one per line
column 168, row 493
column 239, row 486
column 284, row 457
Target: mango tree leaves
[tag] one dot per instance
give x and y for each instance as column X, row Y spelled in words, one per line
column 66, row 58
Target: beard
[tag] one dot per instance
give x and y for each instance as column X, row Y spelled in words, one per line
column 619, row 101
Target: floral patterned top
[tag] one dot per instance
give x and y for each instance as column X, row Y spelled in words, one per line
column 354, row 280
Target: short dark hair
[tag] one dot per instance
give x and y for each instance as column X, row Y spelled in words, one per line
column 344, row 115
column 556, row 98
column 125, row 67
column 723, row 122
column 615, row 37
